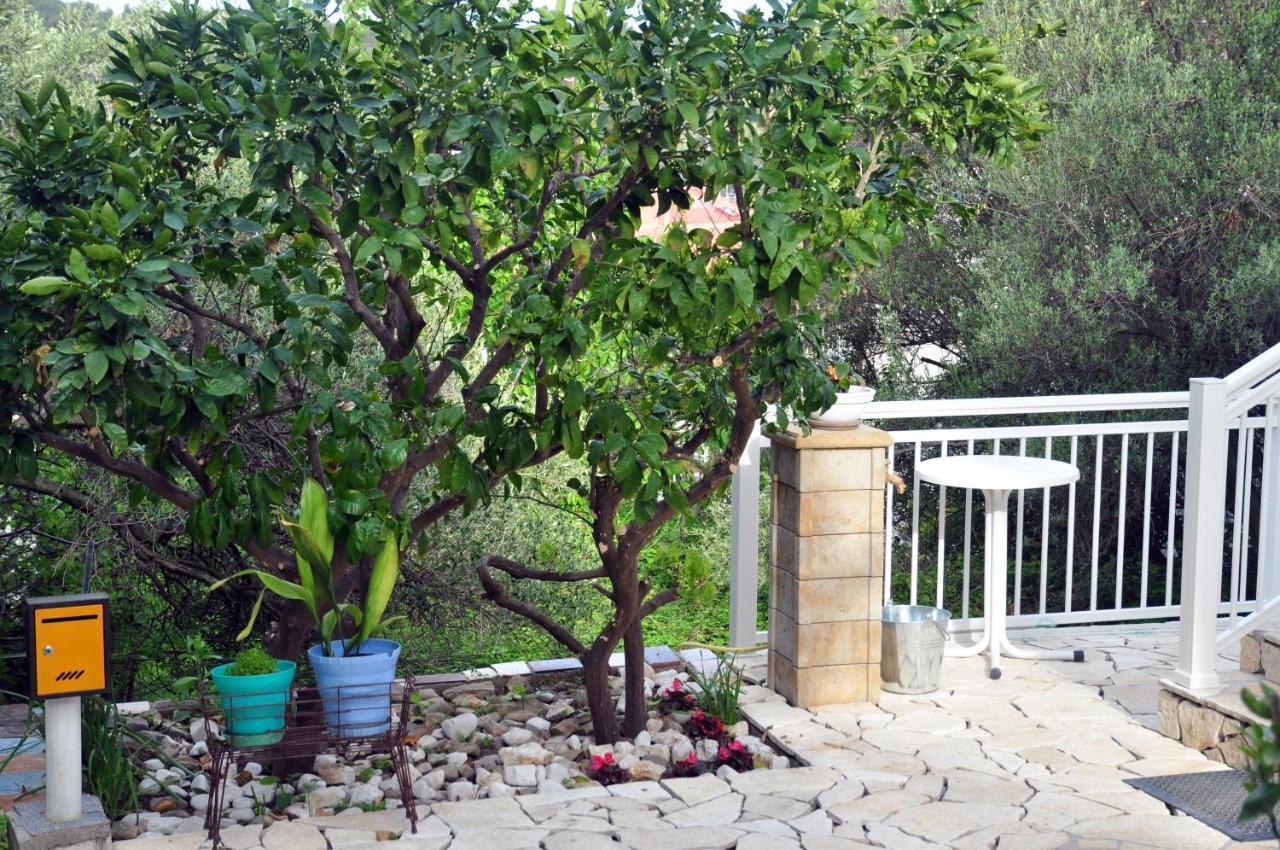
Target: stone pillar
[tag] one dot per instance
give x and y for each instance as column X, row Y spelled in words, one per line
column 826, row 565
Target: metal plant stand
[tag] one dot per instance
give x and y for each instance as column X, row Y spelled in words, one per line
column 305, row 733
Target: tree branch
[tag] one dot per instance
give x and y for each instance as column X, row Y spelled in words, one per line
column 497, row 594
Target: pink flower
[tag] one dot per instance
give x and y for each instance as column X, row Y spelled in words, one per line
column 599, row 762
column 691, row 759
column 737, row 746
column 724, row 754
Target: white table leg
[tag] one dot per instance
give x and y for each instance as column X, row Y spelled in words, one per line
column 997, row 564
column 984, row 640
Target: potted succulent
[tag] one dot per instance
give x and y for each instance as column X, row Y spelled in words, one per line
column 353, row 674
column 254, row 690
column 852, row 398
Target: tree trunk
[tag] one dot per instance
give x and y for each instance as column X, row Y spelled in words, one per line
column 604, row 718
column 637, row 712
column 292, row 631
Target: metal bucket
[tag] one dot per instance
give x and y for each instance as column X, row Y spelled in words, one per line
column 911, row 644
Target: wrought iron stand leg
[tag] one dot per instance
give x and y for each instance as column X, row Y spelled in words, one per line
column 400, row 761
column 217, row 790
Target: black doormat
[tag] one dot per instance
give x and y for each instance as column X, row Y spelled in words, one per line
column 1211, row 797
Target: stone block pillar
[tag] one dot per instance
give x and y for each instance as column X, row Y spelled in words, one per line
column 826, row 565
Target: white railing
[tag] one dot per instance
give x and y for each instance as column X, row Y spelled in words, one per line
column 1075, row 551
column 1219, row 406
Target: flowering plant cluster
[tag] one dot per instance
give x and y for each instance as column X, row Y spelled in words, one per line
column 702, row 725
column 688, row 766
column 607, row 772
column 735, row 754
column 675, row 697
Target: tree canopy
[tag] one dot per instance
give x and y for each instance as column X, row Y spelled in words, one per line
column 397, row 250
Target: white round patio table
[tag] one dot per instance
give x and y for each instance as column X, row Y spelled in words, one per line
column 997, row 476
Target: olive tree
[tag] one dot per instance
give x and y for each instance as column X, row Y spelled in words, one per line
column 820, row 124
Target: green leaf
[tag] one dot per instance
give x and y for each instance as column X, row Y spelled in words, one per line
column 95, row 364
column 102, row 253
column 386, row 570
column 46, row 285
column 314, row 517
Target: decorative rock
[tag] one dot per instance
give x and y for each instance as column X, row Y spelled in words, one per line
column 336, row 774
column 461, row 790
column 460, row 727
column 517, row 736
column 326, row 798
column 706, row 749
column 520, row 775
column 645, row 770
column 363, row 794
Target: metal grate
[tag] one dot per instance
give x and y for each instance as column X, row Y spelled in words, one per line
column 1212, row 797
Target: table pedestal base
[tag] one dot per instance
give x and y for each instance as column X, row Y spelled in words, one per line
column 995, row 639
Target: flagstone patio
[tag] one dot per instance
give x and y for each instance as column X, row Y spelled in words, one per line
column 1033, row 761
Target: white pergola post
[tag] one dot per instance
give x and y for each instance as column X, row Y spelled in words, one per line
column 1203, row 519
column 744, row 543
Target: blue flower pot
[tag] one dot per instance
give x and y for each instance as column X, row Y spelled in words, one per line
column 254, row 706
column 356, row 689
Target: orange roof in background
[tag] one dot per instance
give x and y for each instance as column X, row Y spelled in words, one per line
column 716, row 215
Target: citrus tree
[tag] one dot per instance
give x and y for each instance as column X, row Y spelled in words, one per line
column 817, row 126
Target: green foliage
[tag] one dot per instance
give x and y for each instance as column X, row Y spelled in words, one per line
column 253, row 661
column 719, row 690
column 314, row 550
column 1136, row 247
column 1261, row 748
column 109, row 772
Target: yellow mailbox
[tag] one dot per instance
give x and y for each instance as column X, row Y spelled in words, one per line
column 68, row 645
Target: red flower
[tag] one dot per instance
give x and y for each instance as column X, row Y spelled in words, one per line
column 691, row 759
column 737, row 746
column 724, row 753
column 598, row 762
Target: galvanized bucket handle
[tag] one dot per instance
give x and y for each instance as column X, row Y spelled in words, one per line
column 946, row 635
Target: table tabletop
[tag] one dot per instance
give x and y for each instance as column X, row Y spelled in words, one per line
column 996, row 472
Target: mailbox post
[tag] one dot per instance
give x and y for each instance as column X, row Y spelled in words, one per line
column 68, row 657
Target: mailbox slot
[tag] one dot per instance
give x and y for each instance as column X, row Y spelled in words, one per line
column 68, row 650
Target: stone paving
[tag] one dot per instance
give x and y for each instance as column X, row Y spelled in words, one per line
column 1033, row 761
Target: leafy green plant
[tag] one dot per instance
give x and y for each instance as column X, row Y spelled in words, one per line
column 718, row 692
column 109, row 773
column 1262, row 753
column 314, row 553
column 197, row 655
column 253, row 661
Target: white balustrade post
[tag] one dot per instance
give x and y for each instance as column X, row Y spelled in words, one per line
column 744, row 542
column 1204, row 515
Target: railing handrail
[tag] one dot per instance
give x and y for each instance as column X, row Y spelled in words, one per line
column 1014, row 405
column 1255, row 370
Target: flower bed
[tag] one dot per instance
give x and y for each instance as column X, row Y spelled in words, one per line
column 484, row 738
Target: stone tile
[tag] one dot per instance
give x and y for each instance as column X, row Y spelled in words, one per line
column 1048, row 811
column 764, row 841
column 695, row 789
column 292, row 835
column 966, row 786
column 944, row 821
column 491, row 813
column 798, row 780
column 569, row 840
column 647, row 792
column 774, row 714
column 717, row 811
column 1183, row 833
column 498, row 839
column 693, row 838
column 188, row 841
column 874, row 807
column 775, row 807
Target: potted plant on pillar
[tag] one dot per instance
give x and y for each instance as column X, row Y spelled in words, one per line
column 852, row 398
column 353, row 673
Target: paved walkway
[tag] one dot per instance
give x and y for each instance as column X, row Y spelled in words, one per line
column 1033, row 761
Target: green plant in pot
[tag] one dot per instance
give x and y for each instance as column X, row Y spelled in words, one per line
column 254, row 692
column 354, row 673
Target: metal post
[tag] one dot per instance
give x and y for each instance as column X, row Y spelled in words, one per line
column 744, row 552
column 1203, row 521
column 62, row 759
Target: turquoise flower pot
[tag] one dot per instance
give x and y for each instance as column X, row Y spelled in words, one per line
column 356, row 689
column 254, row 706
